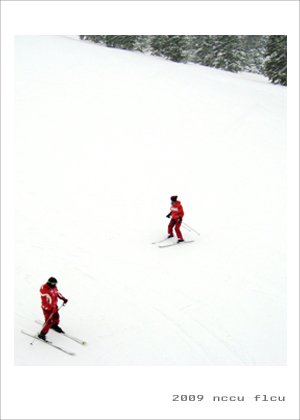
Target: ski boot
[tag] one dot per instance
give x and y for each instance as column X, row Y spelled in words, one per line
column 42, row 336
column 56, row 328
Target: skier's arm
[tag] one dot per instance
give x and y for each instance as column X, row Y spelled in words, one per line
column 60, row 296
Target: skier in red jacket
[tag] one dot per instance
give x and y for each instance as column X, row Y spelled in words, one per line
column 176, row 215
column 49, row 296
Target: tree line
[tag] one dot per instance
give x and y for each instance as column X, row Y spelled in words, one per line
column 262, row 54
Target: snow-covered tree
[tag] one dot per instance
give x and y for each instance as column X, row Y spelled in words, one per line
column 252, row 53
column 125, row 42
column 227, row 53
column 254, row 48
column 276, row 59
column 201, row 49
column 95, row 38
column 143, row 43
column 158, row 44
column 176, row 48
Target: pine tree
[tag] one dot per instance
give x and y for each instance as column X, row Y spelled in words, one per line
column 201, row 49
column 95, row 38
column 125, row 42
column 143, row 43
column 253, row 53
column 175, row 48
column 158, row 45
column 254, row 48
column 276, row 59
column 227, row 53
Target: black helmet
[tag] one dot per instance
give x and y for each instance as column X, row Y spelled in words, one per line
column 174, row 197
column 52, row 282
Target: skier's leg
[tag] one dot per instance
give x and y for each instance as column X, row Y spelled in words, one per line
column 56, row 318
column 170, row 227
column 178, row 231
column 55, row 323
column 48, row 321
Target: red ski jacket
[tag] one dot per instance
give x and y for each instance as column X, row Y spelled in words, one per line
column 49, row 297
column 177, row 210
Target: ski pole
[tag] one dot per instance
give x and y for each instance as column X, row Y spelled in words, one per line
column 189, row 227
column 46, row 322
column 186, row 228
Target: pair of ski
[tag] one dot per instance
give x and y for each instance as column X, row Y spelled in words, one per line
column 162, row 244
column 49, row 343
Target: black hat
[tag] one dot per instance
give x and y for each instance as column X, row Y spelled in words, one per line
column 174, row 197
column 52, row 281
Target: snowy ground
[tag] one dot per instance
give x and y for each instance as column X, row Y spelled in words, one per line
column 103, row 138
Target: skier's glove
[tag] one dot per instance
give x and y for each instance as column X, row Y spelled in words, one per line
column 168, row 215
column 65, row 301
column 179, row 219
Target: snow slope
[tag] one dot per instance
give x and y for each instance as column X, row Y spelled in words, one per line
column 103, row 138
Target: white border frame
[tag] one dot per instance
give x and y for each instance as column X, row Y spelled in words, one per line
column 145, row 392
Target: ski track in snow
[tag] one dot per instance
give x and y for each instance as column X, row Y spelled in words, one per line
column 103, row 139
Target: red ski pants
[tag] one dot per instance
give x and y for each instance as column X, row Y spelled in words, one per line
column 50, row 320
column 175, row 223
